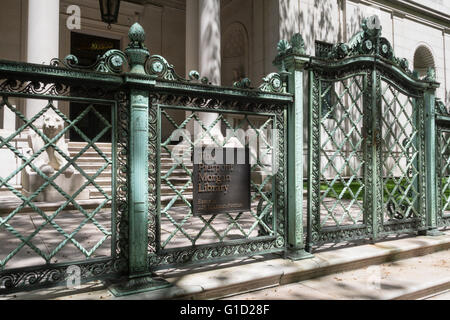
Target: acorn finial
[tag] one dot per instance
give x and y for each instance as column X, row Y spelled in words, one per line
column 136, row 34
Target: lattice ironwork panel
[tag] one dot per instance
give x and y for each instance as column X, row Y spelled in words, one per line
column 179, row 227
column 56, row 196
column 341, row 153
column 443, row 173
column 401, row 156
column 177, row 234
column 337, row 186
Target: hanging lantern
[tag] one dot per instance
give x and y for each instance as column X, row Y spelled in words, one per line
column 109, row 10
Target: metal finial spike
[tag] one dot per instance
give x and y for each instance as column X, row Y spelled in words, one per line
column 136, row 34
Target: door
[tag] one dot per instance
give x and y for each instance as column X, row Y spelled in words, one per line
column 87, row 49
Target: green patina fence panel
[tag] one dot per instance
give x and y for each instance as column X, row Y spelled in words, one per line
column 51, row 224
column 442, row 164
column 143, row 229
column 338, row 189
column 370, row 140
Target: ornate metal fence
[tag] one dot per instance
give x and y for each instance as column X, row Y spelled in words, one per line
column 178, row 235
column 90, row 210
column 443, row 162
column 255, row 118
column 51, row 224
column 143, row 201
column 338, row 142
column 370, row 145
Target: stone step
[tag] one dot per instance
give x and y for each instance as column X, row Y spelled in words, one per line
column 96, row 194
column 75, row 144
column 91, row 159
column 165, row 199
column 106, row 173
column 176, row 180
column 416, row 278
column 168, row 165
column 92, row 166
column 15, row 186
column 75, row 150
column 103, row 181
column 92, row 153
column 168, row 155
column 274, row 275
column 179, row 172
column 169, row 191
column 442, row 295
column 179, row 147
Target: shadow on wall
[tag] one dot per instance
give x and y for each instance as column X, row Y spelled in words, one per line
column 354, row 23
column 317, row 23
column 289, row 21
column 210, row 63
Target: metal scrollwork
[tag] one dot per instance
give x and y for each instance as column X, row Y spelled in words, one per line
column 431, row 74
column 242, row 84
column 34, row 87
column 440, row 107
column 363, row 42
column 113, row 61
column 158, row 66
column 272, row 83
column 368, row 41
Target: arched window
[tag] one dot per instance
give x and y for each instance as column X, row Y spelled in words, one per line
column 234, row 53
column 423, row 59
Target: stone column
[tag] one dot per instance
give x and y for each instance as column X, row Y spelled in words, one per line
column 192, row 45
column 43, row 39
column 192, row 35
column 203, row 53
column 209, row 53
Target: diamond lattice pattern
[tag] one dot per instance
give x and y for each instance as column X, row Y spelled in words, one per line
column 341, row 167
column 444, row 148
column 400, row 155
column 43, row 220
column 179, row 227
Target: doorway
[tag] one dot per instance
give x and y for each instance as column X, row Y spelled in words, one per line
column 87, row 48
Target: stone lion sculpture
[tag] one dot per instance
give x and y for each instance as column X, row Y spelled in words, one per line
column 50, row 160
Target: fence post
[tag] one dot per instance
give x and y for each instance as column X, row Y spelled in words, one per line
column 295, row 66
column 139, row 277
column 138, row 161
column 430, row 160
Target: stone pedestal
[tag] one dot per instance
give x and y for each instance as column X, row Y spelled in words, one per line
column 31, row 182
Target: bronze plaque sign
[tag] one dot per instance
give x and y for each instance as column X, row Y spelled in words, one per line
column 221, row 186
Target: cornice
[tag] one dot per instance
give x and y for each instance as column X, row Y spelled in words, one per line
column 411, row 10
